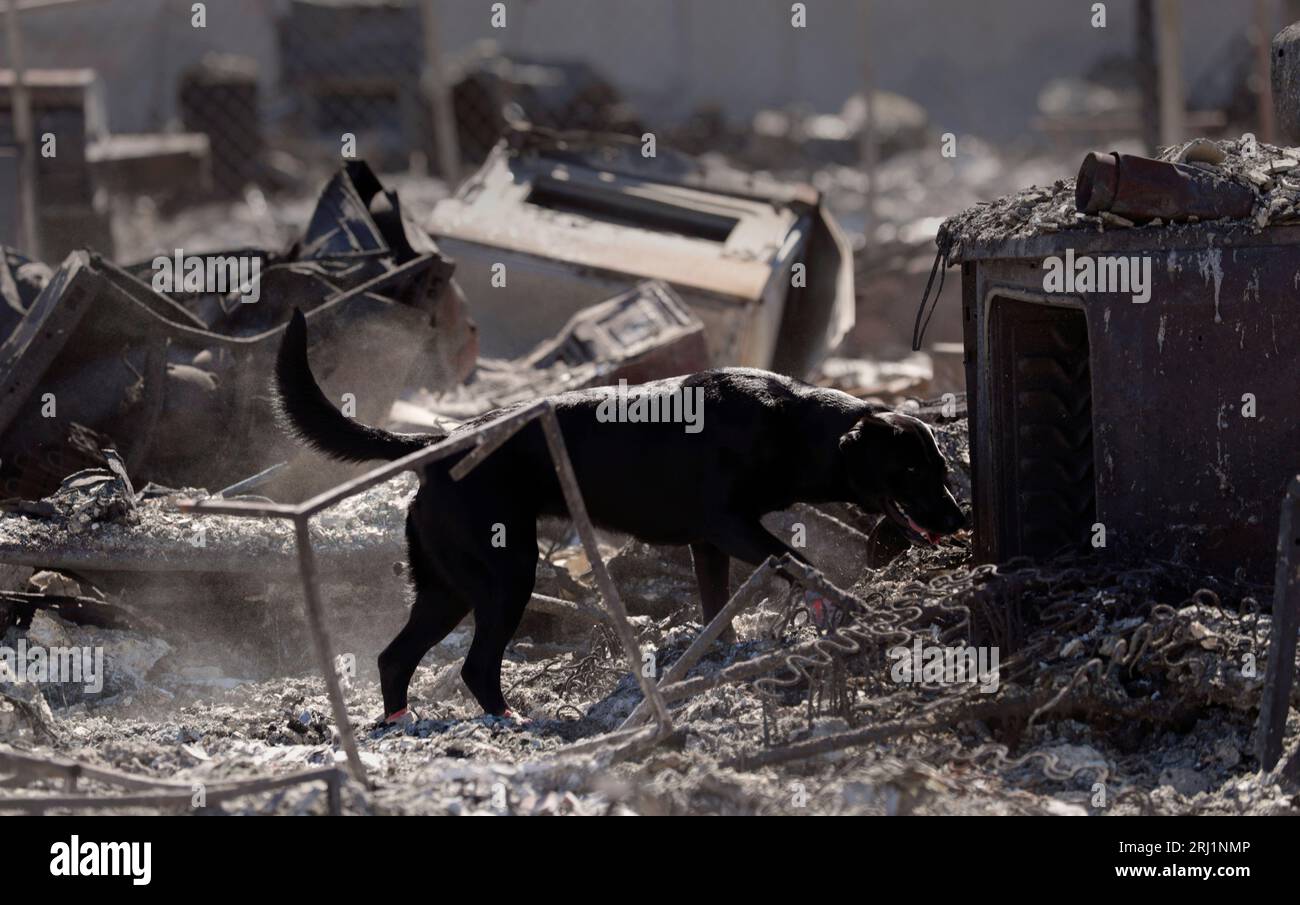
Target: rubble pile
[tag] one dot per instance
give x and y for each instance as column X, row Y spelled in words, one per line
column 1270, row 172
column 1135, row 678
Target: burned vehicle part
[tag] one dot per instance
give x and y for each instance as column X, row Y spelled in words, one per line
column 176, row 379
column 574, row 218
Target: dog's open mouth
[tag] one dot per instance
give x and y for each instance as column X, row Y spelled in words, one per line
column 915, row 533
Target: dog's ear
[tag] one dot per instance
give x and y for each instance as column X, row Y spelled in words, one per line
column 851, row 438
column 872, row 427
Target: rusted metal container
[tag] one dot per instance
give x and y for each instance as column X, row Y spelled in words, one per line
column 1142, row 189
column 1173, row 425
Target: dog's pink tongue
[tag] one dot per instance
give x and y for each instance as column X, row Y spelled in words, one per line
column 928, row 535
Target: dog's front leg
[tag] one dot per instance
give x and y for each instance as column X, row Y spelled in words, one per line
column 750, row 542
column 712, row 574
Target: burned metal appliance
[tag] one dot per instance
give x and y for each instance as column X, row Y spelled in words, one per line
column 1172, row 423
column 643, row 334
column 554, row 222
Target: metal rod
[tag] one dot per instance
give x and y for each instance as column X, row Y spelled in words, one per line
column 213, row 793
column 1279, row 674
column 441, row 450
column 867, row 138
column 444, row 117
column 252, row 481
column 36, row 6
column 238, row 508
column 24, row 132
column 486, row 447
column 1263, row 70
column 324, row 649
column 567, row 609
column 582, row 522
column 1169, row 68
column 716, row 627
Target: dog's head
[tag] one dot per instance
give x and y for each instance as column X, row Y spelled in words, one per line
column 895, row 467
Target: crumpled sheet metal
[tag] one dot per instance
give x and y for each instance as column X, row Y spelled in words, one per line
column 177, row 382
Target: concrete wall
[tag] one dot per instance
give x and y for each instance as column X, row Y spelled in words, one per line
column 977, row 66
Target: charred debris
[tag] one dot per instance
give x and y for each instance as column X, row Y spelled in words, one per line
column 155, row 514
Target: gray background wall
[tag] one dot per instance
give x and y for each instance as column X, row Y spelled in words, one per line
column 976, row 66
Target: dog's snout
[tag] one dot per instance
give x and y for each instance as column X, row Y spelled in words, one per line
column 954, row 518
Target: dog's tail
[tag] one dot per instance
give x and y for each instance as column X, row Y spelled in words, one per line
column 312, row 418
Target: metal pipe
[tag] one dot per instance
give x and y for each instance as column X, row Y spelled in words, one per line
column 24, row 132
column 1169, row 61
column 214, row 794
column 324, row 649
column 1140, row 188
column 582, row 522
column 444, row 117
column 867, row 138
column 1279, row 674
column 716, row 626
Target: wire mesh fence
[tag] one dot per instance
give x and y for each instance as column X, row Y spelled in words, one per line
column 185, row 102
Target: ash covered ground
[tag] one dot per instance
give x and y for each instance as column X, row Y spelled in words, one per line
column 1121, row 689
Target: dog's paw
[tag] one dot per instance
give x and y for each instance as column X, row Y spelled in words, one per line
column 403, row 720
column 509, row 719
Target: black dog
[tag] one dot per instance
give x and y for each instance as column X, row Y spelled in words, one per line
column 755, row 442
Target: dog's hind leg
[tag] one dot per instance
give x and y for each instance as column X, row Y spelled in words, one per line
column 712, row 568
column 497, row 613
column 438, row 608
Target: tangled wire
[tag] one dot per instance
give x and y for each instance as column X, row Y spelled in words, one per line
column 1088, row 638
